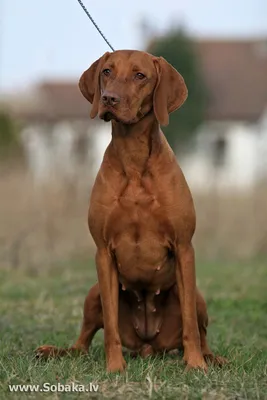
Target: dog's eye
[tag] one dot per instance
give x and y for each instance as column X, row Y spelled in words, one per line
column 106, row 72
column 139, row 75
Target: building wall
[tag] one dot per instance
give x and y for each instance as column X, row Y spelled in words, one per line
column 51, row 150
column 244, row 162
column 102, row 137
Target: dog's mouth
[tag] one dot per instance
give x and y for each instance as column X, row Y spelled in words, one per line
column 108, row 115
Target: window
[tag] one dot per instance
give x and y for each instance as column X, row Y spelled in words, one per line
column 219, row 152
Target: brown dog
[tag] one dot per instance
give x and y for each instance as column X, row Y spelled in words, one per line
column 166, row 320
column 141, row 213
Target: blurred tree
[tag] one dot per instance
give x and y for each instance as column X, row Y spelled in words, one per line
column 178, row 49
column 10, row 145
column 147, row 30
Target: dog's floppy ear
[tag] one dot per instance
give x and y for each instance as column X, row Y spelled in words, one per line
column 170, row 91
column 89, row 83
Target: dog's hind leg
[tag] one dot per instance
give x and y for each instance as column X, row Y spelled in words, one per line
column 92, row 322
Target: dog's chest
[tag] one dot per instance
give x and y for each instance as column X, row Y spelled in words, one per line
column 135, row 211
column 138, row 230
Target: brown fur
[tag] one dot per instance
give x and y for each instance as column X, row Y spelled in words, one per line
column 141, row 215
column 167, row 319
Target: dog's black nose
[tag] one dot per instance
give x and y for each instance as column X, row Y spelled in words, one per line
column 110, row 99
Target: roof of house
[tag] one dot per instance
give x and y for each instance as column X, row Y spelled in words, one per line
column 235, row 73
column 65, row 100
column 51, row 100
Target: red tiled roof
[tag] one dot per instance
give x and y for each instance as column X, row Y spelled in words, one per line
column 235, row 73
column 63, row 100
column 51, row 100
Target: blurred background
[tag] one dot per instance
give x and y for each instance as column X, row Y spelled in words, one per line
column 50, row 150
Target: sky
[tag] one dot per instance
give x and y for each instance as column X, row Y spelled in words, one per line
column 54, row 39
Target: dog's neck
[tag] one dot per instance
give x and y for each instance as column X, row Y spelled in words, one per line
column 134, row 144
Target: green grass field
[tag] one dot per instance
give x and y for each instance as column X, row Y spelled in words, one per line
column 45, row 307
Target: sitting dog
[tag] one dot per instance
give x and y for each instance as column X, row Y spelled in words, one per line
column 141, row 215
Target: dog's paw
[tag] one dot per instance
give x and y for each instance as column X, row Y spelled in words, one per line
column 46, row 351
column 196, row 363
column 174, row 352
column 215, row 360
column 116, row 365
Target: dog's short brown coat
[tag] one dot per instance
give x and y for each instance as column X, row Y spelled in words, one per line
column 141, row 213
column 168, row 339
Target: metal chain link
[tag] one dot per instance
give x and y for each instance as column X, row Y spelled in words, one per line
column 91, row 19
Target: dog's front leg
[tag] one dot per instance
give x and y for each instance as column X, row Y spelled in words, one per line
column 186, row 282
column 109, row 292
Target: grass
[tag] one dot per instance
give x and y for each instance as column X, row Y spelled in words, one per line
column 45, row 307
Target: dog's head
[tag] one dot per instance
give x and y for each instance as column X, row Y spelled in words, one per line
column 126, row 85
